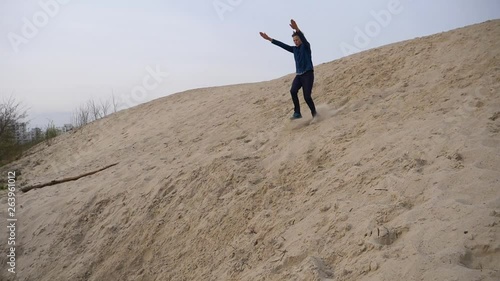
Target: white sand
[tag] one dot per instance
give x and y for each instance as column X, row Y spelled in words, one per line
column 400, row 180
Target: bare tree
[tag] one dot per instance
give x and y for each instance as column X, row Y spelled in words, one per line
column 91, row 111
column 11, row 112
column 94, row 109
column 81, row 116
column 74, row 119
column 104, row 107
column 84, row 115
column 114, row 102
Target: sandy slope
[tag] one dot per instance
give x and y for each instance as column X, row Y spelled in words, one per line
column 400, row 180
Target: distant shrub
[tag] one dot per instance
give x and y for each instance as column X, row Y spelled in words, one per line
column 50, row 133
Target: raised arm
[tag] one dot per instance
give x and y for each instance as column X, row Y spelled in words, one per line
column 295, row 27
column 276, row 42
column 265, row 36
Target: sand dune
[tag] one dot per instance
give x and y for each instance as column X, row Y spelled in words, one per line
column 400, row 180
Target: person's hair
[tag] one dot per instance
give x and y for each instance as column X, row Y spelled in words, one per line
column 295, row 34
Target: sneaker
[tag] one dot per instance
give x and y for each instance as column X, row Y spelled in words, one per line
column 296, row 116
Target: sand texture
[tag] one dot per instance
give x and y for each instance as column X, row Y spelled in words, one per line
column 398, row 180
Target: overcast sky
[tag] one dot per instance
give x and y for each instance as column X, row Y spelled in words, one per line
column 57, row 54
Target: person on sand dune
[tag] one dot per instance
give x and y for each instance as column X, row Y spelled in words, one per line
column 304, row 68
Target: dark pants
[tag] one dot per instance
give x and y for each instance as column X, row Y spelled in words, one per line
column 304, row 81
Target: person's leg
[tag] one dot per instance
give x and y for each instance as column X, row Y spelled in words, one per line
column 307, row 85
column 296, row 85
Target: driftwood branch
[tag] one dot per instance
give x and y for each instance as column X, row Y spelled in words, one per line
column 54, row 182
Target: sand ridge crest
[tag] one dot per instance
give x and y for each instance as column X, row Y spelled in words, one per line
column 398, row 180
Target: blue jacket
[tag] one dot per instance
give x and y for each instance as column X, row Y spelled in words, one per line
column 302, row 54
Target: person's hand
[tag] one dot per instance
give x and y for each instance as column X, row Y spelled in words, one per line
column 294, row 25
column 265, row 36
